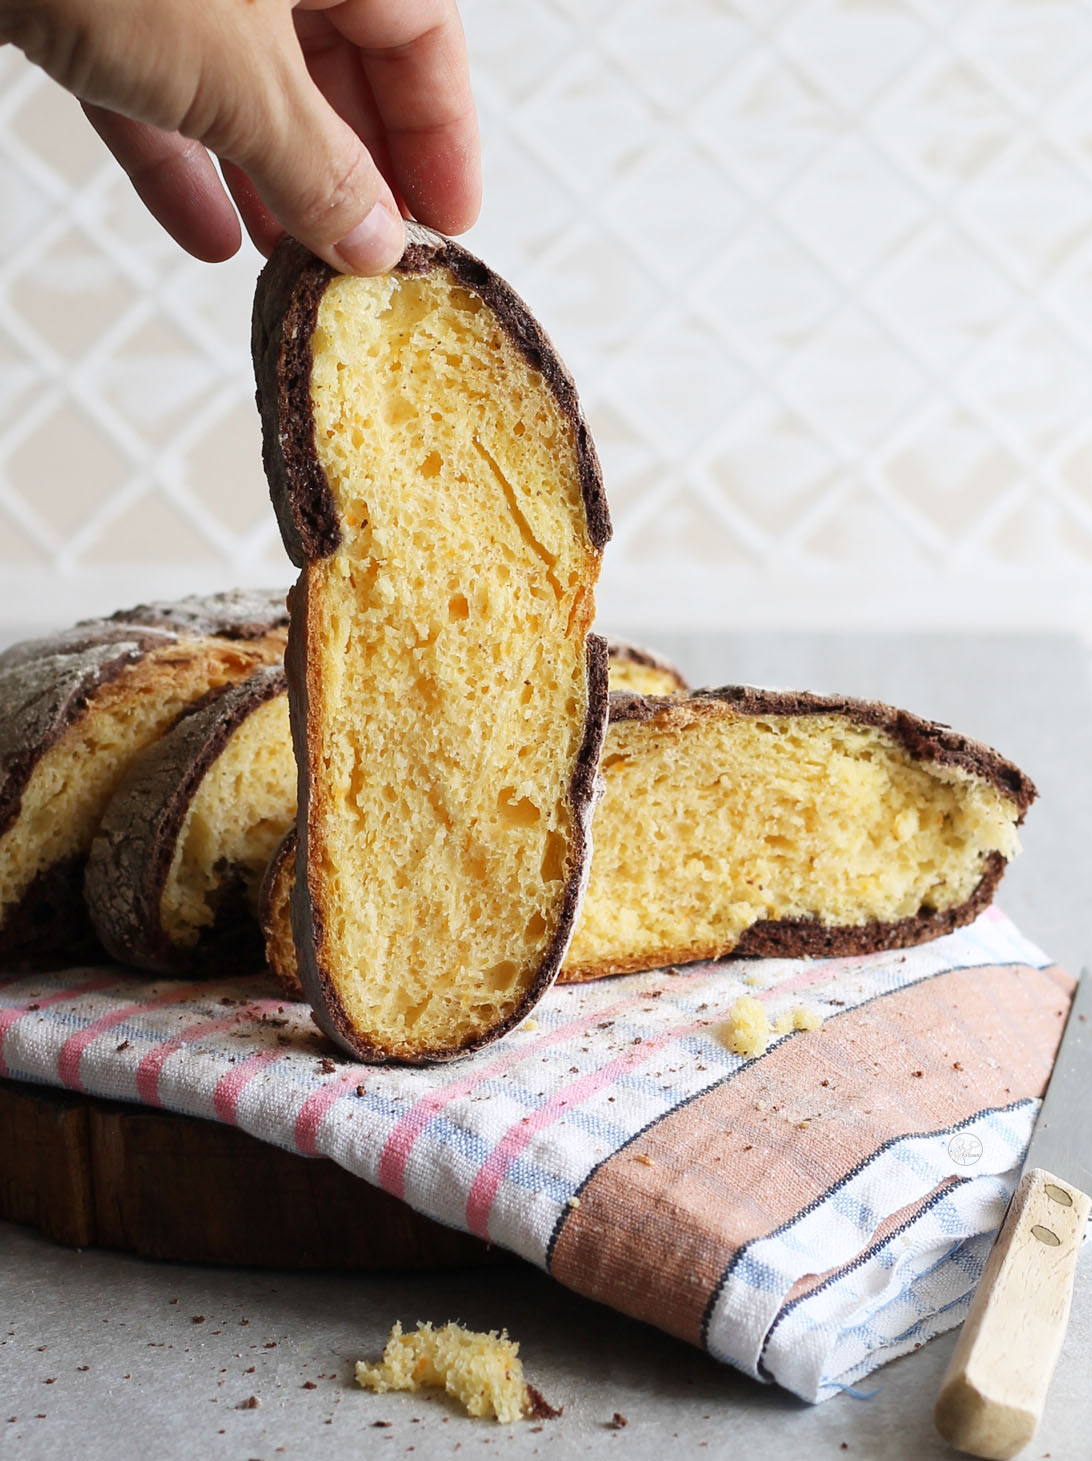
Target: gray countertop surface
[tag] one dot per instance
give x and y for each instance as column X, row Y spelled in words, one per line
column 100, row 1356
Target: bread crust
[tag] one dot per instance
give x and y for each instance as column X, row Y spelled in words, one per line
column 289, row 293
column 134, row 849
column 271, row 901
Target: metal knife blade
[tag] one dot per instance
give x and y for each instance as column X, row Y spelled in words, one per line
column 1062, row 1139
column 994, row 1390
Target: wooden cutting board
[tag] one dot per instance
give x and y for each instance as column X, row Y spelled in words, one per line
column 89, row 1172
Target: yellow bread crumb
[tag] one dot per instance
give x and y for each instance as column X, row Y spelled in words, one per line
column 748, row 1029
column 797, row 1019
column 482, row 1371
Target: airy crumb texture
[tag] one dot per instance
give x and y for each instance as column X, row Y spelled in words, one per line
column 715, row 821
column 449, row 695
column 482, row 1372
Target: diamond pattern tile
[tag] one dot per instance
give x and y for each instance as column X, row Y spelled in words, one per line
column 676, row 49
column 774, row 469
column 766, row 121
column 151, row 524
column 944, row 296
column 855, row 52
column 222, row 471
column 65, row 469
column 157, row 380
column 71, row 295
column 822, row 269
column 950, row 472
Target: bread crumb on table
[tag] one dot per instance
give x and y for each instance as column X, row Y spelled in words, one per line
column 483, row 1372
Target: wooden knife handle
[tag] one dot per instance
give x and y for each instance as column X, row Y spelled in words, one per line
column 995, row 1386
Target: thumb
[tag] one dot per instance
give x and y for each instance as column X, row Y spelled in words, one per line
column 313, row 172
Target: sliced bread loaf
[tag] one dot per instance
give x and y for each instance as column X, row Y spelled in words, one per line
column 75, row 709
column 435, row 481
column 174, row 871
column 751, row 821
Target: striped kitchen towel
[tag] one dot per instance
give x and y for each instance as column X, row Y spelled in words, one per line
column 803, row 1215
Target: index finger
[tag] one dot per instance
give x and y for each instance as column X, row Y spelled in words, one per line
column 413, row 55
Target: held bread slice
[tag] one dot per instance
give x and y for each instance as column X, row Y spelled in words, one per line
column 435, row 481
column 174, row 871
column 75, row 709
column 755, row 822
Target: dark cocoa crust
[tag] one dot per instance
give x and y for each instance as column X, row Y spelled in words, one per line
column 286, row 305
column 924, row 740
column 49, row 924
column 131, row 855
column 537, row 1407
column 624, row 651
column 235, row 614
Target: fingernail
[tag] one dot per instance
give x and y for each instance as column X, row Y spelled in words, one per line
column 375, row 244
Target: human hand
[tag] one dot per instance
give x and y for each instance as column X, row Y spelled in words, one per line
column 329, row 117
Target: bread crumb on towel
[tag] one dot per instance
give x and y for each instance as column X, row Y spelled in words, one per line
column 748, row 1031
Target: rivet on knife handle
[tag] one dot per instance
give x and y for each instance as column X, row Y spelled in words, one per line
column 994, row 1389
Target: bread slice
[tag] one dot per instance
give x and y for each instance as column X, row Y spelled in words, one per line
column 761, row 822
column 174, row 871
column 75, row 709
column 751, row 821
column 434, row 479
column 642, row 671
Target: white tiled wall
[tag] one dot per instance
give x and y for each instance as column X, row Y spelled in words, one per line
column 822, row 269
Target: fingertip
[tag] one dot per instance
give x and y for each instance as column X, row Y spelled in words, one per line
column 375, row 245
column 441, row 179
